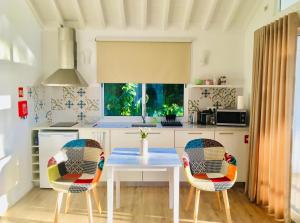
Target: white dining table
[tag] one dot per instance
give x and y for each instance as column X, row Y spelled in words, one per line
column 129, row 159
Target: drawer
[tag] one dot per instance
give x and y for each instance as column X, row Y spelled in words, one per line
column 131, row 138
column 183, row 137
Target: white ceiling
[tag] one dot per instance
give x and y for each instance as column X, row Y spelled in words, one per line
column 144, row 14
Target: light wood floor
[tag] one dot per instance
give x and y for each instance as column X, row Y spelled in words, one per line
column 138, row 204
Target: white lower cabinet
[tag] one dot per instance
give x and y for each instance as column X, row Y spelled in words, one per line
column 234, row 143
column 101, row 136
column 162, row 138
column 232, row 139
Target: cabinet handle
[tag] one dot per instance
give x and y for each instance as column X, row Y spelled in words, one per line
column 195, row 133
column 226, row 133
column 135, row 133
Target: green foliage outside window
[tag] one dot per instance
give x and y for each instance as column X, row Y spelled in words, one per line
column 165, row 99
column 122, row 99
column 126, row 99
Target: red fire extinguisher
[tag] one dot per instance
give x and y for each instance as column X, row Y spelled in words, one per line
column 22, row 105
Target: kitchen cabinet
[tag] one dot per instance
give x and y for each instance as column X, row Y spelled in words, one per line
column 234, row 143
column 183, row 137
column 100, row 135
column 130, row 138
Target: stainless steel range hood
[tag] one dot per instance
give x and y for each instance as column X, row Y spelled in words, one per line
column 67, row 74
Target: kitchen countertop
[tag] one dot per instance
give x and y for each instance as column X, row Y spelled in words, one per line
column 127, row 125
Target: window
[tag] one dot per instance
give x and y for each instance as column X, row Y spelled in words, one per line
column 126, row 99
column 284, row 4
column 164, row 99
column 122, row 99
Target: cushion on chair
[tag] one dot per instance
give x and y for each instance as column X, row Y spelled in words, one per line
column 77, row 167
column 208, row 166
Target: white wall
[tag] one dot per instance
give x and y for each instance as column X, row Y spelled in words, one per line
column 19, row 33
column 224, row 49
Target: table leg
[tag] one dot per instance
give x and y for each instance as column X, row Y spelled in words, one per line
column 110, row 194
column 171, row 182
column 176, row 194
column 118, row 194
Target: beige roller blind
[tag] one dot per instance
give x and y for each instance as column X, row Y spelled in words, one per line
column 143, row 62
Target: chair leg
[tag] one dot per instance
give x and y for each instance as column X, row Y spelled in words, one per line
column 58, row 206
column 67, row 202
column 89, row 205
column 197, row 198
column 227, row 208
column 97, row 201
column 187, row 206
column 219, row 200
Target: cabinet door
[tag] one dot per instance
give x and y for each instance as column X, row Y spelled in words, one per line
column 100, row 135
column 183, row 137
column 131, row 139
column 233, row 141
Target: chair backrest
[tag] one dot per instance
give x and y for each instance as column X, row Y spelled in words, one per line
column 77, row 157
column 207, row 156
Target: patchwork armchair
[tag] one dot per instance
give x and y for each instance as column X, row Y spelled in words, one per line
column 209, row 168
column 76, row 168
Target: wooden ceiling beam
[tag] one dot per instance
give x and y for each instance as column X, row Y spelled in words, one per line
column 165, row 16
column 79, row 13
column 144, row 9
column 123, row 22
column 232, row 14
column 35, row 13
column 187, row 14
column 210, row 14
column 102, row 19
column 58, row 12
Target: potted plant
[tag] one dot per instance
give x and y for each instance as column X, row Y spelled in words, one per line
column 144, row 141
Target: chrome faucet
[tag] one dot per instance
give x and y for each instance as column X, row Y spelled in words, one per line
column 144, row 113
column 144, row 118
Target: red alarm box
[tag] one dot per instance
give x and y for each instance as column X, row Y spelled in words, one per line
column 23, row 109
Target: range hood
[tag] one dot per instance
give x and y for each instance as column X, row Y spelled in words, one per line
column 67, row 74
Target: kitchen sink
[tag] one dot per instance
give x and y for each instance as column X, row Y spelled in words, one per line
column 143, row 125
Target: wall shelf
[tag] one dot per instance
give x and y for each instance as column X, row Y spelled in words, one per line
column 35, row 157
column 214, row 86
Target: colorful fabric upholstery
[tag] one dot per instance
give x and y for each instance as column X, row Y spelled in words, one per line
column 207, row 165
column 77, row 167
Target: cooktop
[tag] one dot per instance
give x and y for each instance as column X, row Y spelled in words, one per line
column 171, row 123
column 64, row 124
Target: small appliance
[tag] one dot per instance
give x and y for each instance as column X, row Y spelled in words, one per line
column 231, row 117
column 205, row 117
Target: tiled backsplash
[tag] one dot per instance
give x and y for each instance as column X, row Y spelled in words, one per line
column 66, row 104
column 202, row 98
column 57, row 104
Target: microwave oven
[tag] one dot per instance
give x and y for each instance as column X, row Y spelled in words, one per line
column 231, row 117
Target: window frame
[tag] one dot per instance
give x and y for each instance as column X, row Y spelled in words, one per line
column 104, row 118
column 288, row 8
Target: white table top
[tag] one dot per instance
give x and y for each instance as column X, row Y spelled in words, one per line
column 130, row 157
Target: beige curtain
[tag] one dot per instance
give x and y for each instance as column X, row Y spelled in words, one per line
column 271, row 115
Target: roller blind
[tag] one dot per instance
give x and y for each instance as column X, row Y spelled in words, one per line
column 143, row 62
